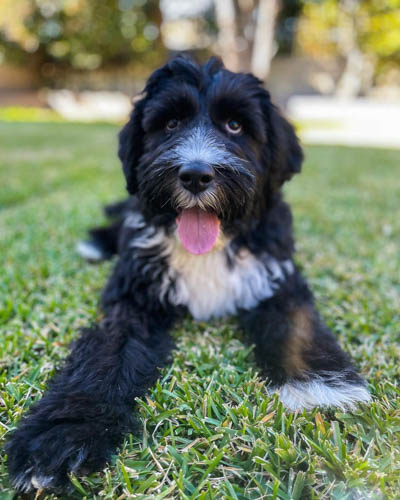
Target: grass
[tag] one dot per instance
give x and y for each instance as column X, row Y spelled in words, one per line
column 210, row 429
column 30, row 115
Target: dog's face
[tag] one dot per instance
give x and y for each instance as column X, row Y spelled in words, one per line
column 206, row 148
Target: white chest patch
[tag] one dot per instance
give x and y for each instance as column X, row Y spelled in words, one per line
column 207, row 284
column 209, row 287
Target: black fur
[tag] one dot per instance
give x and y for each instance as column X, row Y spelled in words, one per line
column 81, row 419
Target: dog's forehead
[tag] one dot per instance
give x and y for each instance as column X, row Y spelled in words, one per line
column 223, row 93
column 210, row 86
column 196, row 93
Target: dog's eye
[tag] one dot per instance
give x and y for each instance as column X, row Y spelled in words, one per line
column 233, row 127
column 172, row 124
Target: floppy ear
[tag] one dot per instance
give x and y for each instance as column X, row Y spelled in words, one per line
column 131, row 137
column 283, row 151
column 130, row 147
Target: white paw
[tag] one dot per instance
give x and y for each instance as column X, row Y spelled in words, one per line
column 324, row 392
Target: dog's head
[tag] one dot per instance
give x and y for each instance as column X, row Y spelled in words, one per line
column 206, row 147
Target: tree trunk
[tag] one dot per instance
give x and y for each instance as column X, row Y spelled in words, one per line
column 227, row 31
column 263, row 47
column 357, row 74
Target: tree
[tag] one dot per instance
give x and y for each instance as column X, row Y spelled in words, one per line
column 251, row 32
column 365, row 35
column 263, row 46
column 246, row 34
column 81, row 34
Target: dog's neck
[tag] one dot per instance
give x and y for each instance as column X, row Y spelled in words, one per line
column 231, row 276
column 220, row 282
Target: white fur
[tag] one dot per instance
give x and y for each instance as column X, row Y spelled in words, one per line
column 134, row 220
column 147, row 237
column 209, row 287
column 89, row 251
column 25, row 483
column 201, row 145
column 298, row 395
column 206, row 284
column 206, row 200
column 39, row 482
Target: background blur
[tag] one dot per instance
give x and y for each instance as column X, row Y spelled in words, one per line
column 333, row 65
column 211, row 429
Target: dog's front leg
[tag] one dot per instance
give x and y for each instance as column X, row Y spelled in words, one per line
column 299, row 354
column 82, row 417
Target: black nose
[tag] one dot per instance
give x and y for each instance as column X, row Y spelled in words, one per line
column 196, row 176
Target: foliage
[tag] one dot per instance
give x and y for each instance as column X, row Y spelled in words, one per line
column 211, row 430
column 81, row 34
column 324, row 27
column 56, row 35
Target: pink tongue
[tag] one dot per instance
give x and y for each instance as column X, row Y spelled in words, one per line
column 198, row 230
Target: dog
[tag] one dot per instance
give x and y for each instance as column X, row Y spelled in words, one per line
column 205, row 231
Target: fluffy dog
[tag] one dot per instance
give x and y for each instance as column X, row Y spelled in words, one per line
column 205, row 231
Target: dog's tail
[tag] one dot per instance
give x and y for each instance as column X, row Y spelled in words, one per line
column 103, row 241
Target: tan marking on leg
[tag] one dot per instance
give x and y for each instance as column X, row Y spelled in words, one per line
column 299, row 341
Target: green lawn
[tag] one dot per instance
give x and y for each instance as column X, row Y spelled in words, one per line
column 210, row 430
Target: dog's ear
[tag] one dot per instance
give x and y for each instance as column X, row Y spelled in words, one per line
column 283, row 152
column 130, row 147
column 131, row 137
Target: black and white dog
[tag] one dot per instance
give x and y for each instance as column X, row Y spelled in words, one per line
column 206, row 231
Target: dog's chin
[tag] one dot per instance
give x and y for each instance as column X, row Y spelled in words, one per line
column 208, row 201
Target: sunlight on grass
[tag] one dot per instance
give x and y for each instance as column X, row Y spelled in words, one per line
column 25, row 114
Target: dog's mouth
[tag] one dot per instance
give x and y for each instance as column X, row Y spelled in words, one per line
column 198, row 230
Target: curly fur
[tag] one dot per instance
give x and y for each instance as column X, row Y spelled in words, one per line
column 87, row 408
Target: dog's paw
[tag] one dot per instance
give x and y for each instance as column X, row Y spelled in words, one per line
column 26, row 481
column 42, row 454
column 333, row 391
